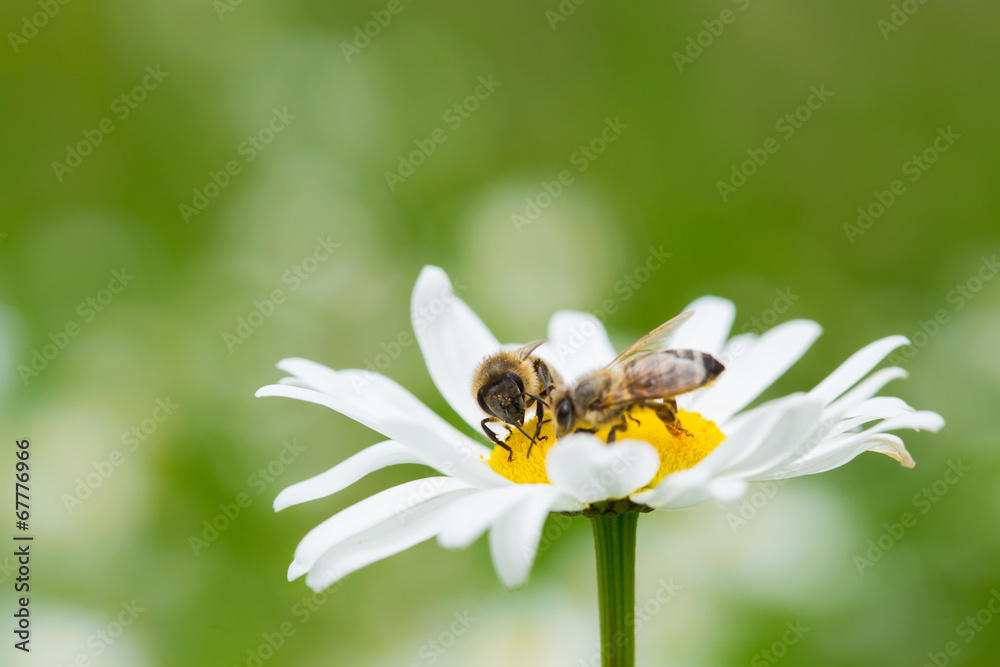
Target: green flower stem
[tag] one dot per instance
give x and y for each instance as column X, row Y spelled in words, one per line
column 614, row 538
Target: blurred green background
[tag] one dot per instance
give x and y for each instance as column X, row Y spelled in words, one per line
column 223, row 70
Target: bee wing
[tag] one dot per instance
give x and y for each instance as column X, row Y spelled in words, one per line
column 656, row 340
column 661, row 375
column 523, row 353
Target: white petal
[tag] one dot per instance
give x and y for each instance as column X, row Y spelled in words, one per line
column 877, row 407
column 296, row 570
column 449, row 457
column 583, row 466
column 452, row 339
column 784, row 442
column 370, row 397
column 381, row 541
column 344, row 474
column 736, row 347
column 863, row 391
column 676, row 491
column 708, row 327
column 768, row 436
column 577, row 344
column 459, row 457
column 466, row 521
column 514, row 538
column 856, row 367
column 395, row 505
column 841, row 449
column 727, row 490
column 362, row 387
column 745, row 436
column 686, row 489
column 893, row 447
column 756, row 369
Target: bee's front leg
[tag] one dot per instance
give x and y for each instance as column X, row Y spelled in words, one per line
column 493, row 436
column 539, row 413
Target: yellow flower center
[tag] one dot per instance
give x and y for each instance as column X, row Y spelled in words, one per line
column 678, row 450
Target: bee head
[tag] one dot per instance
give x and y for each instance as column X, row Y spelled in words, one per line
column 562, row 406
column 503, row 398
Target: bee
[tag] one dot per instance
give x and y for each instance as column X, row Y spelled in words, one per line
column 507, row 384
column 647, row 374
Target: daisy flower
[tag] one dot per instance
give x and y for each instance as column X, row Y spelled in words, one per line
column 723, row 445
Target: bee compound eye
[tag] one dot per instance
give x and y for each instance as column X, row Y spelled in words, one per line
column 514, row 380
column 564, row 413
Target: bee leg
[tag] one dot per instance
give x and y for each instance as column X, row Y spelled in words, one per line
column 544, row 438
column 675, row 429
column 637, row 422
column 493, row 436
column 667, row 412
column 532, row 396
column 621, row 426
column 531, row 439
column 539, row 413
column 546, row 375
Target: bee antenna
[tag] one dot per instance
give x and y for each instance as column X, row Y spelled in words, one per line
column 537, row 398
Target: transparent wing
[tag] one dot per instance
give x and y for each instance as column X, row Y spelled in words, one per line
column 523, row 353
column 668, row 373
column 656, row 340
